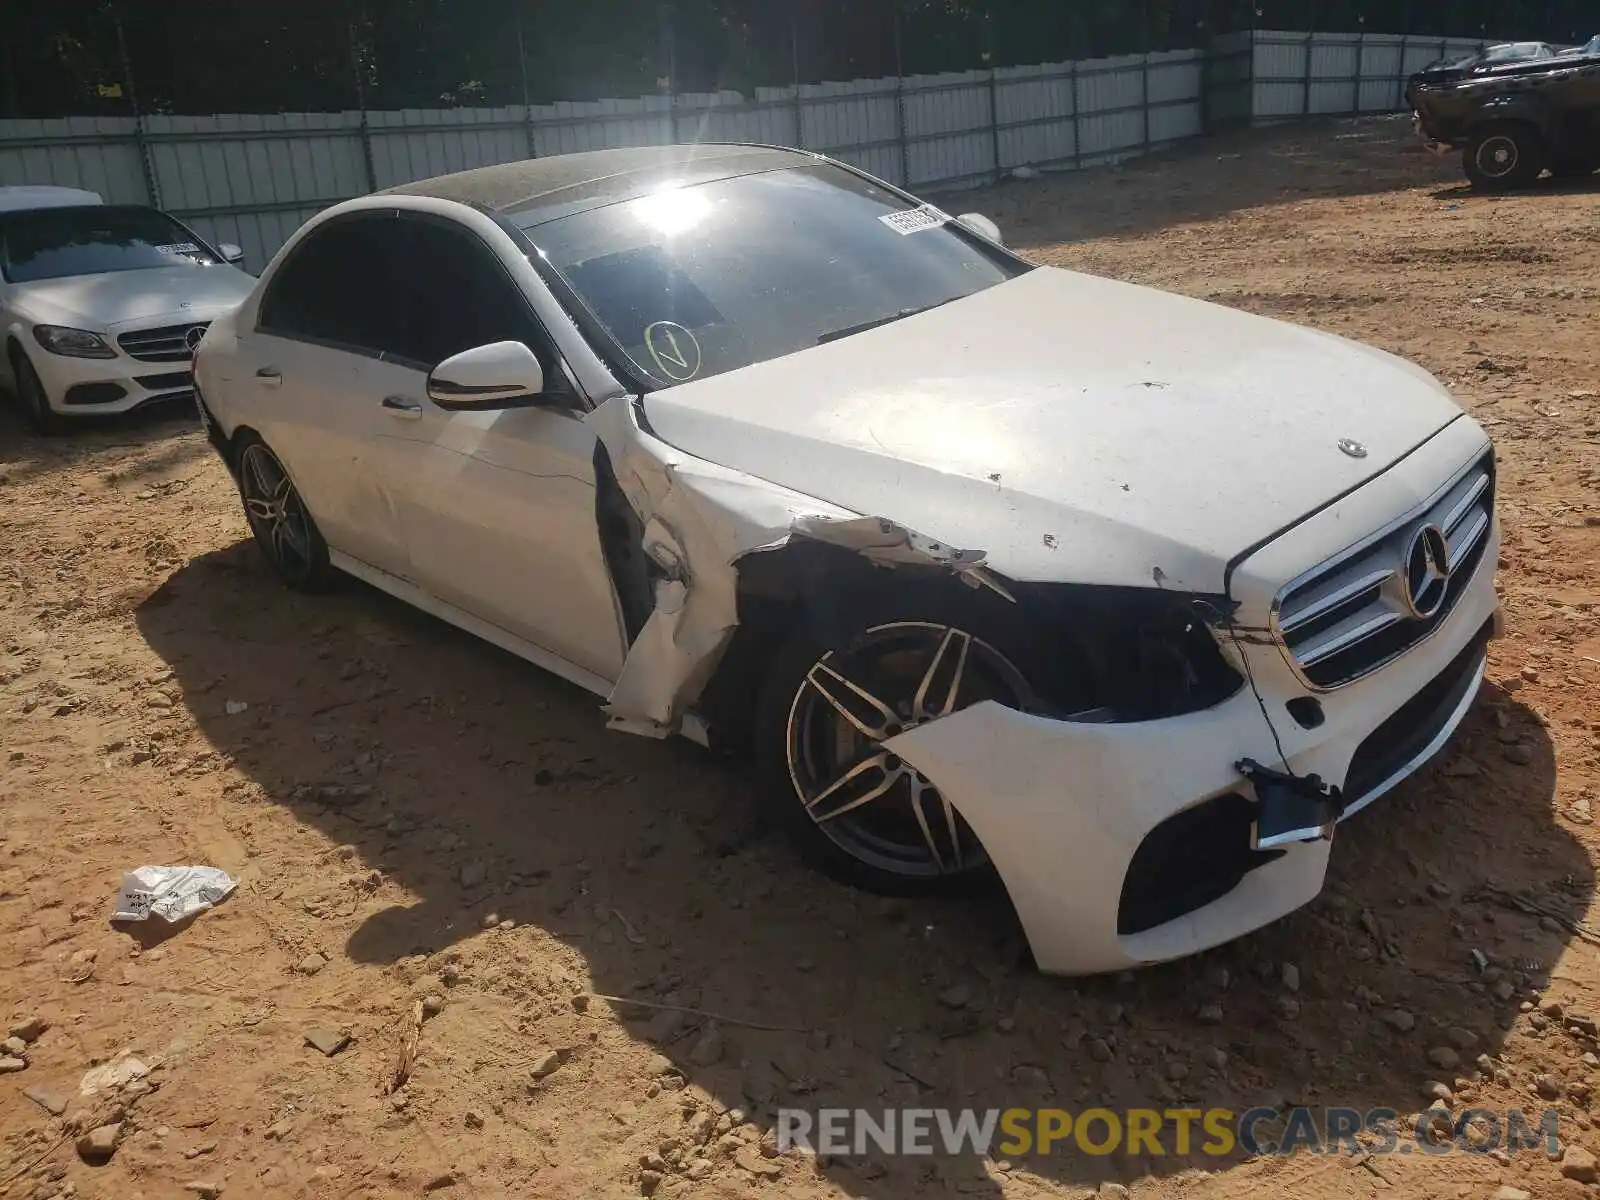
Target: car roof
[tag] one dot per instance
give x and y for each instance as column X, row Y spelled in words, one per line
column 21, row 199
column 536, row 190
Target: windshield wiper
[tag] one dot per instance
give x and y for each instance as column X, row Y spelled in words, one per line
column 835, row 334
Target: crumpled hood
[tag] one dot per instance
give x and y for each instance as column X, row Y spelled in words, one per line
column 1074, row 428
column 115, row 298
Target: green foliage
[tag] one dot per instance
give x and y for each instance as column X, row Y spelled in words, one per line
column 206, row 56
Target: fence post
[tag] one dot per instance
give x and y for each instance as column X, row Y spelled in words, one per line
column 994, row 94
column 361, row 105
column 668, row 82
column 1400, row 81
column 1361, row 53
column 1077, row 116
column 1305, row 102
column 794, row 61
column 147, row 166
column 900, row 102
column 1144, row 82
column 527, row 106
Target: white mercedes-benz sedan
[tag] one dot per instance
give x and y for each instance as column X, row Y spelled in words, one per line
column 994, row 569
column 102, row 305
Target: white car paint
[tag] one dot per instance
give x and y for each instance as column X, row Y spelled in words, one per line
column 19, row 199
column 1021, row 420
column 112, row 304
column 1006, row 437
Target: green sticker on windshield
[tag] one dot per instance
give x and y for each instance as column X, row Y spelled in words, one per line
column 676, row 351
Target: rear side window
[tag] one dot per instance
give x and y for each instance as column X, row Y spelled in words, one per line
column 335, row 288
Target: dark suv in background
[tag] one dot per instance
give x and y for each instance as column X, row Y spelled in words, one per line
column 1515, row 117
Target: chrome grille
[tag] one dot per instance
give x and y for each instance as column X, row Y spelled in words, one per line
column 169, row 343
column 1372, row 603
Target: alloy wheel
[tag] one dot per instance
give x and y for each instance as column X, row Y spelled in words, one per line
column 276, row 514
column 1498, row 157
column 868, row 801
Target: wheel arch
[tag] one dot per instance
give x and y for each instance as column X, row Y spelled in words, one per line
column 823, row 594
column 1518, row 109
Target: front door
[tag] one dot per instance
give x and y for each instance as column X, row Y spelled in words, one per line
column 496, row 509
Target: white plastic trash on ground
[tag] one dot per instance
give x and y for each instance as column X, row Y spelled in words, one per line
column 172, row 893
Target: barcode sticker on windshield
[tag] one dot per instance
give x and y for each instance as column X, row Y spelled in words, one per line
column 914, row 220
column 179, row 248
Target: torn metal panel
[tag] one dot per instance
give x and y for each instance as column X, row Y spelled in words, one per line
column 699, row 519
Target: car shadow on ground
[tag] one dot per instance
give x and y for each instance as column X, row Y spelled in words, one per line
column 481, row 785
column 1549, row 185
column 24, row 453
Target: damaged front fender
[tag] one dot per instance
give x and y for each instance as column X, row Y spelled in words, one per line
column 699, row 520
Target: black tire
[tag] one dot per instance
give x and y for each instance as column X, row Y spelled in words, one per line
column 1504, row 156
column 805, row 748
column 31, row 395
column 284, row 532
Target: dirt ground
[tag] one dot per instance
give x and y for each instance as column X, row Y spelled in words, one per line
column 410, row 813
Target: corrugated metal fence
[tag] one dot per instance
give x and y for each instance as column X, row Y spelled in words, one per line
column 254, row 179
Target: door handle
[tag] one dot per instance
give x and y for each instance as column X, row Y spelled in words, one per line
column 399, row 406
column 269, row 376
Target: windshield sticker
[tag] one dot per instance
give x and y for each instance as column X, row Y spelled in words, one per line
column 915, row 220
column 675, row 350
column 179, row 248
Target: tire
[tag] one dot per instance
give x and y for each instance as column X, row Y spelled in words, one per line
column 31, row 394
column 854, row 811
column 1504, row 156
column 284, row 532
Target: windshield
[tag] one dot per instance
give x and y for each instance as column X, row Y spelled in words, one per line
column 693, row 281
column 53, row 243
column 1515, row 51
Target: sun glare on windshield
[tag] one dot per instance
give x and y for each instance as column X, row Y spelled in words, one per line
column 673, row 210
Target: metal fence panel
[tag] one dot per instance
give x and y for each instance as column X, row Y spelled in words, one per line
column 97, row 153
column 252, row 179
column 1111, row 106
column 1036, row 107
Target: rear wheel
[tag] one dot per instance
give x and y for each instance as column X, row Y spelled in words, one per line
column 855, row 809
column 1504, row 156
column 283, row 529
column 30, row 391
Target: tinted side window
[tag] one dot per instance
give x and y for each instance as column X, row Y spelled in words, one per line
column 452, row 294
column 336, row 287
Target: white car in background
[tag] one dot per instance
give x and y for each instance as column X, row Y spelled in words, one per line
column 993, row 568
column 102, row 305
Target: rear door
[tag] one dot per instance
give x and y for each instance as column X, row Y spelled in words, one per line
column 305, row 375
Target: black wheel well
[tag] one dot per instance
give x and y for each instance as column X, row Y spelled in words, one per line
column 824, row 594
column 1129, row 654
column 236, row 443
column 1492, row 121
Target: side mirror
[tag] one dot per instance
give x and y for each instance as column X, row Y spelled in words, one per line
column 232, row 254
column 499, row 375
column 982, row 226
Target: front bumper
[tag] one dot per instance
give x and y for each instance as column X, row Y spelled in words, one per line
column 89, row 386
column 1123, row 845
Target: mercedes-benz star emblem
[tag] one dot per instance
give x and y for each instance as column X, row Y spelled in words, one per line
column 1427, row 571
column 1352, row 447
column 193, row 337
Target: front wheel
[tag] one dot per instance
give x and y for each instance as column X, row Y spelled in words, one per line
column 1504, row 156
column 284, row 531
column 855, row 809
column 35, row 402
